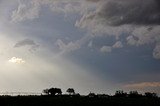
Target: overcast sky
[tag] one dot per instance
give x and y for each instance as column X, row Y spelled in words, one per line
column 91, row 45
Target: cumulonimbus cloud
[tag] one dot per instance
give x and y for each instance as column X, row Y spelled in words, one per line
column 139, row 19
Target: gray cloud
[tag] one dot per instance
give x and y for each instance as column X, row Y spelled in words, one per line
column 121, row 12
column 112, row 15
column 93, row 0
column 90, row 44
column 117, row 12
column 31, row 9
column 65, row 48
column 26, row 10
column 24, row 43
column 71, row 46
column 27, row 42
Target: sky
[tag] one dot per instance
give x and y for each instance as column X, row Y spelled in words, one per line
column 90, row 45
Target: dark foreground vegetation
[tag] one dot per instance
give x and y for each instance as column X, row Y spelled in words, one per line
column 120, row 98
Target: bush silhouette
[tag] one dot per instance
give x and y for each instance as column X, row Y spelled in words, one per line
column 91, row 94
column 151, row 95
column 134, row 94
column 70, row 91
column 120, row 93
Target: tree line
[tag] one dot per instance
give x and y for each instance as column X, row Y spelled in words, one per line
column 118, row 93
column 58, row 91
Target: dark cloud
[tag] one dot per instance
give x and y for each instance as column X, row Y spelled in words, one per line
column 27, row 42
column 93, row 0
column 120, row 12
column 24, row 43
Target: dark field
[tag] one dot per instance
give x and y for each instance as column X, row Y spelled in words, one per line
column 66, row 100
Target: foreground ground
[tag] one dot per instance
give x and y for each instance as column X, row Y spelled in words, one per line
column 76, row 101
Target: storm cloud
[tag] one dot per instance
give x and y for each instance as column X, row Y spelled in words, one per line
column 139, row 20
column 121, row 12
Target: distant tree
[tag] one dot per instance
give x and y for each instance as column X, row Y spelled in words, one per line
column 134, row 94
column 46, row 91
column 150, row 95
column 120, row 93
column 91, row 94
column 103, row 95
column 52, row 91
column 70, row 91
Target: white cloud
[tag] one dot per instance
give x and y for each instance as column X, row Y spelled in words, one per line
column 16, row 60
column 106, row 49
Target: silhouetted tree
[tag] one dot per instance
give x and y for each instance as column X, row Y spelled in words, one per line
column 77, row 94
column 150, row 95
column 102, row 95
column 134, row 94
column 120, row 93
column 52, row 91
column 91, row 94
column 70, row 91
column 46, row 91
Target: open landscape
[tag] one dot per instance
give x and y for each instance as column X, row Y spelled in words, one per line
column 79, row 52
column 120, row 98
